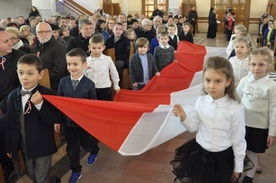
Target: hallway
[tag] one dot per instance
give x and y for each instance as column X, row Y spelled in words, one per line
column 150, row 167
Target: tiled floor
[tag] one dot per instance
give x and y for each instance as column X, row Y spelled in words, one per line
column 152, row 166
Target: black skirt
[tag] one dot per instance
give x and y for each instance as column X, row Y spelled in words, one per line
column 256, row 139
column 193, row 164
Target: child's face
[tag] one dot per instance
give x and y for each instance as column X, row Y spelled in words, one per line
column 186, row 28
column 96, row 49
column 143, row 50
column 75, row 66
column 28, row 75
column 163, row 40
column 215, row 83
column 238, row 32
column 171, row 30
column 258, row 66
column 241, row 50
column 132, row 36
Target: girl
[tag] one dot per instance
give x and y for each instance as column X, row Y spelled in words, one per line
column 239, row 29
column 257, row 94
column 217, row 153
column 240, row 61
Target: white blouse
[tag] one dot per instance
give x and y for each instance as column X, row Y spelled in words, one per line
column 219, row 125
column 240, row 67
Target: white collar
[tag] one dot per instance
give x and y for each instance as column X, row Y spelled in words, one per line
column 261, row 81
column 97, row 58
column 167, row 46
column 76, row 79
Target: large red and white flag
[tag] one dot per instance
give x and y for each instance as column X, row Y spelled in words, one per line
column 140, row 120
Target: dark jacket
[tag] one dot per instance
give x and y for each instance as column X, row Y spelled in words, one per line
column 192, row 15
column 85, row 90
column 149, row 35
column 74, row 32
column 122, row 47
column 212, row 18
column 79, row 42
column 39, row 126
column 9, row 80
column 52, row 54
column 136, row 69
column 188, row 37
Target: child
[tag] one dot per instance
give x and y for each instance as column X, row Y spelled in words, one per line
column 238, row 30
column 142, row 67
column 101, row 69
column 164, row 53
column 31, row 119
column 229, row 24
column 173, row 38
column 217, row 153
column 257, row 94
column 77, row 86
column 185, row 35
column 154, row 42
column 240, row 61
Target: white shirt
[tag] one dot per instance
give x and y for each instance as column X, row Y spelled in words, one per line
column 25, row 98
column 230, row 45
column 99, row 70
column 259, row 100
column 240, row 67
column 220, row 125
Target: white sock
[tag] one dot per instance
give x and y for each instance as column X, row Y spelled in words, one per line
column 254, row 158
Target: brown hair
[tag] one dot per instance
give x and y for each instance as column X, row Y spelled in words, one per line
column 267, row 57
column 141, row 42
column 222, row 65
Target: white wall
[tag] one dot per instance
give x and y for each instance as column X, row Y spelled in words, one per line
column 14, row 8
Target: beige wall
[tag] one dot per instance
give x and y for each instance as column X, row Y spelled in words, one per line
column 258, row 7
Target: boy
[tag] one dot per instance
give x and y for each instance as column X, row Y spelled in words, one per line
column 229, row 25
column 100, row 68
column 164, row 53
column 77, row 86
column 173, row 38
column 31, row 120
column 185, row 35
column 142, row 67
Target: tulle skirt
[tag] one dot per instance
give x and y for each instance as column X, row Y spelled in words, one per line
column 193, row 164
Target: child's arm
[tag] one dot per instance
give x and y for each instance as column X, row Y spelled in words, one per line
column 272, row 116
column 179, row 112
column 114, row 76
column 270, row 141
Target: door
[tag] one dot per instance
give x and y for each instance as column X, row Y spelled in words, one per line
column 241, row 8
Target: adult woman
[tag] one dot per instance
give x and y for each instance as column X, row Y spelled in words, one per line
column 34, row 12
column 25, row 32
column 109, row 28
column 65, row 34
column 212, row 20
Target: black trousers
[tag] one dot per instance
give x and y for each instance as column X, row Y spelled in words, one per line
column 104, row 94
column 77, row 137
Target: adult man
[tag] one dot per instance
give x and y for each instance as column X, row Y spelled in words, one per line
column 62, row 21
column 157, row 20
column 21, row 20
column 33, row 22
column 192, row 16
column 146, row 32
column 87, row 29
column 4, row 22
column 157, row 12
column 122, row 48
column 8, row 82
column 74, row 30
column 51, row 52
column 121, row 18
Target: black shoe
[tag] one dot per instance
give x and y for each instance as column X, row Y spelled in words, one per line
column 247, row 180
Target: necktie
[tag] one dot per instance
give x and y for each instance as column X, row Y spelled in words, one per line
column 74, row 84
column 3, row 60
column 24, row 92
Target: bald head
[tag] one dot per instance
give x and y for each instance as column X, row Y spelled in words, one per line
column 44, row 32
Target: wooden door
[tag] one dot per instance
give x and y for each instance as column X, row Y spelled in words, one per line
column 241, row 8
column 148, row 6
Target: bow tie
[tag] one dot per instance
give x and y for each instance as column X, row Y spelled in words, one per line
column 24, row 92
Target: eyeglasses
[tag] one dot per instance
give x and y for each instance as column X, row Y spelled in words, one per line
column 45, row 32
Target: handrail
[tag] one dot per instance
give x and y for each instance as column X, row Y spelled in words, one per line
column 79, row 7
column 63, row 9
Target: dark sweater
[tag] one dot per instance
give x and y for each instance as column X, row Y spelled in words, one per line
column 163, row 57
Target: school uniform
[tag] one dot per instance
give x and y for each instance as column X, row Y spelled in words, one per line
column 74, row 134
column 259, row 99
column 31, row 129
column 240, row 67
column 173, row 41
column 186, row 37
column 219, row 147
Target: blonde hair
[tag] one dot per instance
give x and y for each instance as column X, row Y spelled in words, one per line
column 128, row 32
column 271, row 52
column 245, row 40
column 266, row 57
column 241, row 28
column 13, row 30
